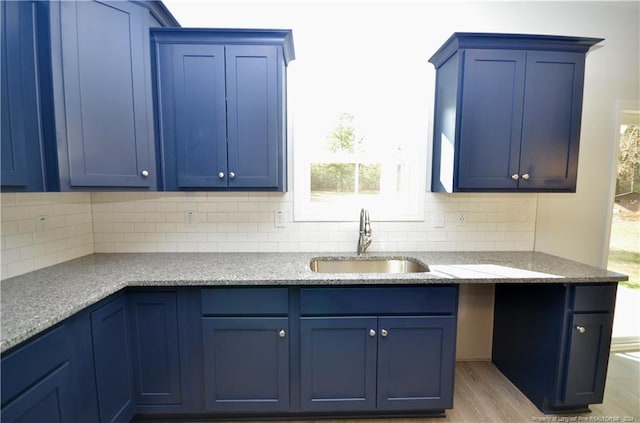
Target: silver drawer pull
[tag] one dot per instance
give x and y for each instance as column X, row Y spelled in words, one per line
column 384, row 332
column 220, row 175
column 525, row 176
column 145, row 173
column 515, row 177
column 232, row 175
column 282, row 333
column 372, row 332
column 581, row 329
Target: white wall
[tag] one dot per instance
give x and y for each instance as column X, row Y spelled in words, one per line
column 576, row 226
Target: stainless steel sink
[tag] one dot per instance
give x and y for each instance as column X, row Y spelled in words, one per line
column 367, row 265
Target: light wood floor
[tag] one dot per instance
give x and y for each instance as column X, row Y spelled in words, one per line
column 484, row 395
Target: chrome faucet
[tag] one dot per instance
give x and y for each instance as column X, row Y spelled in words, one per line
column 364, row 240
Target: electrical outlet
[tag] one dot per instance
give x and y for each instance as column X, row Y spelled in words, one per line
column 438, row 219
column 279, row 218
column 461, row 219
column 41, row 224
column 189, row 219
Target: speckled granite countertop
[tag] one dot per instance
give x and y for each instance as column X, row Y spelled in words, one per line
column 35, row 301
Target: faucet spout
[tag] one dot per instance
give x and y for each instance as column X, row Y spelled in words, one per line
column 364, row 238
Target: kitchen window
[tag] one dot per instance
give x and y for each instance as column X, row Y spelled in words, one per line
column 358, row 129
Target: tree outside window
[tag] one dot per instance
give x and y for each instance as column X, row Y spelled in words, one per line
column 350, row 167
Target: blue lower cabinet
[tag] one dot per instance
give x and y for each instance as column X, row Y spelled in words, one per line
column 416, row 362
column 37, row 380
column 338, row 363
column 364, row 364
column 46, row 401
column 113, row 365
column 192, row 353
column 246, row 364
column 156, row 352
column 560, row 361
column 51, row 378
column 586, row 367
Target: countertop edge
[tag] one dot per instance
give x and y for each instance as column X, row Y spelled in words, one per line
column 71, row 287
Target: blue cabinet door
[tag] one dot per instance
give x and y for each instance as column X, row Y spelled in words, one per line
column 491, row 119
column 588, row 356
column 21, row 131
column 338, row 364
column 222, row 116
column 246, row 364
column 508, row 112
column 192, row 118
column 37, row 381
column 49, row 400
column 102, row 94
column 254, row 116
column 156, row 353
column 416, row 360
column 112, row 360
column 517, row 132
column 551, row 120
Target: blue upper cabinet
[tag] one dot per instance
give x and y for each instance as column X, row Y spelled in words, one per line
column 192, row 88
column 77, row 110
column 222, row 108
column 22, row 141
column 102, row 95
column 507, row 112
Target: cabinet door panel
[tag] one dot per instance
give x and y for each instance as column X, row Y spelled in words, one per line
column 20, row 128
column 112, row 355
column 338, row 363
column 493, row 87
column 416, row 363
column 252, row 115
column 587, row 359
column 246, row 364
column 36, row 379
column 49, row 400
column 552, row 114
column 193, row 115
column 106, row 100
column 155, row 348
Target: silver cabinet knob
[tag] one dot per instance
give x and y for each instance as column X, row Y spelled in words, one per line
column 282, row 333
column 145, row 173
column 581, row 329
column 515, row 177
column 525, row 176
column 232, row 175
column 220, row 175
column 372, row 332
column 384, row 332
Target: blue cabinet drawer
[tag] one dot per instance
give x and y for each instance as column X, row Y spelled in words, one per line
column 378, row 300
column 245, row 301
column 593, row 297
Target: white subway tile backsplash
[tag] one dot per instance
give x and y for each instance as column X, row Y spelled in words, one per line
column 81, row 223
column 68, row 230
